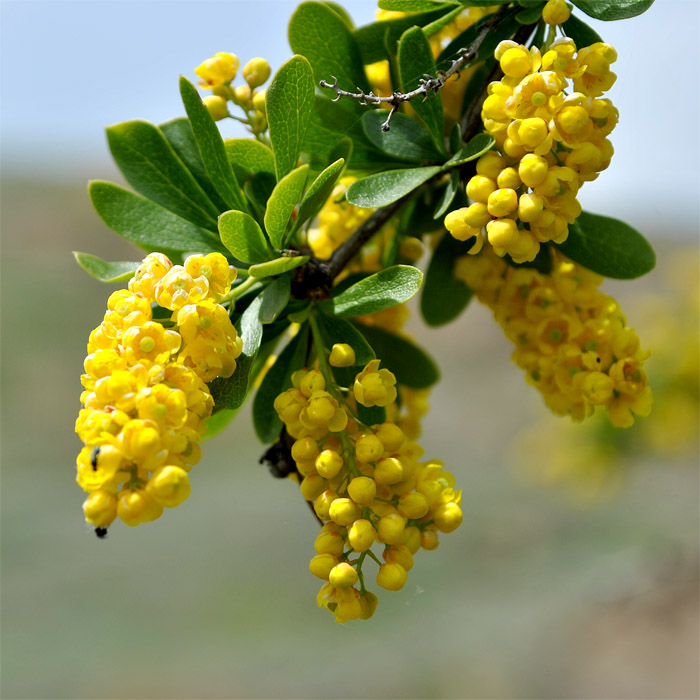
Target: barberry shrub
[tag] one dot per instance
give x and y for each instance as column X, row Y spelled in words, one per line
column 279, row 265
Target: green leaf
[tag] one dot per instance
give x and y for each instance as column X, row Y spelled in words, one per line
column 105, row 271
column 249, row 157
column 415, row 61
column 289, row 102
column 412, row 366
column 381, row 189
column 147, row 224
column 242, row 235
column 258, row 190
column 608, row 10
column 181, row 138
column 580, row 32
column 372, row 415
column 530, row 15
column 448, row 195
column 338, row 330
column 609, row 247
column 231, row 392
column 406, row 140
column 413, row 5
column 281, row 204
column 444, row 297
column 211, row 147
column 471, row 151
column 278, row 266
column 152, row 168
column 273, row 300
column 384, row 289
column 341, row 12
column 319, row 192
column 373, row 39
column 278, row 378
column 317, row 32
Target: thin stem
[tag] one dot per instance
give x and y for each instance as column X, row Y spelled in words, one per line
column 239, row 290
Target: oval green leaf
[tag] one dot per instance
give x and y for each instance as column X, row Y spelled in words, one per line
column 472, row 150
column 381, row 189
column 406, row 140
column 152, row 168
column 609, row 247
column 448, row 194
column 273, row 299
column 580, row 32
column 147, row 224
column 289, row 103
column 319, row 192
column 412, row 366
column 609, row 10
column 249, row 157
column 415, row 59
column 380, row 291
column 242, row 235
column 105, row 271
column 281, row 204
column 211, row 147
column 413, row 5
column 444, row 297
column 278, row 266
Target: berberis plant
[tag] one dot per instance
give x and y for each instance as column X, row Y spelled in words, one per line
column 280, row 265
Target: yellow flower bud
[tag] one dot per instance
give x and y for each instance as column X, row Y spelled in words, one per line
column 216, row 106
column 100, row 508
column 362, row 490
column 556, row 12
column 476, row 215
column 413, row 505
column 322, row 565
column 312, row 486
column 342, row 355
column 391, row 436
column 259, row 101
column 312, row 381
column 515, row 62
column 369, row 448
column 368, row 604
column 242, row 96
column 448, row 517
column 343, row 511
column 411, row 248
column 412, row 536
column 390, row 529
column 430, row 540
column 490, row 165
column 400, row 554
column 530, row 207
column 388, row 471
column 508, row 178
column 323, row 502
column 502, row 202
column 130, row 506
column 502, row 232
column 479, row 188
column 533, row 170
column 305, row 449
column 329, row 540
column 343, row 575
column 328, row 463
column 256, row 72
column 219, row 70
column 392, row 576
column 361, row 535
column 169, row 486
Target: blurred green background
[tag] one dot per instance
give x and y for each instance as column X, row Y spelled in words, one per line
column 538, row 595
column 533, row 596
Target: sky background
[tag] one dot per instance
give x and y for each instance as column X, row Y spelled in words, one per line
column 69, row 68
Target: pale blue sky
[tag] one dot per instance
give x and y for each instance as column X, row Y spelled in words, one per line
column 71, row 67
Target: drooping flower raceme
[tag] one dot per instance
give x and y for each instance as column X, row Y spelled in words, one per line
column 549, row 141
column 571, row 339
column 145, row 395
column 367, row 484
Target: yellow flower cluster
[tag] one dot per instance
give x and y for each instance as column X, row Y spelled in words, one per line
column 572, row 340
column 218, row 72
column 145, row 399
column 550, row 143
column 366, row 483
